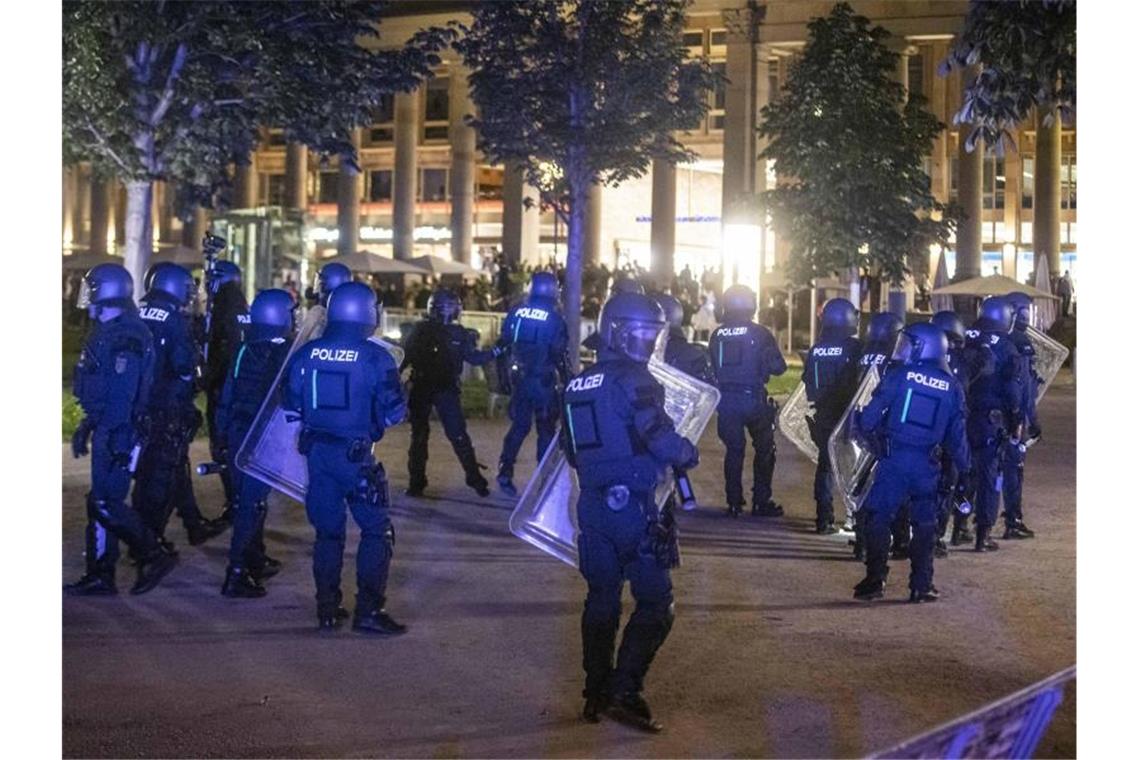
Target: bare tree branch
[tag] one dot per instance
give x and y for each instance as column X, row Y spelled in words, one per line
column 107, row 149
column 168, row 91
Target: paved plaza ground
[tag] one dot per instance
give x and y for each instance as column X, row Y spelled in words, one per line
column 769, row 656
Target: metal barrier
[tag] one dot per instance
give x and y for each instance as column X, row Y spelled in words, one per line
column 1008, row 728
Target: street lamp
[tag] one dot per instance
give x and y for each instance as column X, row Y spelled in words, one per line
column 740, row 255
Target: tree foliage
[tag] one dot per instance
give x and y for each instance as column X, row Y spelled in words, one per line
column 849, row 153
column 593, row 89
column 1026, row 53
column 176, row 91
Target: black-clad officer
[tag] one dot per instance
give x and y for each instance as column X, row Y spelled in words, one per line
column 744, row 356
column 690, row 358
column 619, row 439
column 112, row 383
column 831, row 377
column 436, row 350
column 346, row 390
column 1013, row 469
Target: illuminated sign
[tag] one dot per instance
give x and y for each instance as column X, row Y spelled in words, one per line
column 683, row 219
column 377, row 234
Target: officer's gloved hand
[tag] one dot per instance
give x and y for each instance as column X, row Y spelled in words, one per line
column 965, row 484
column 693, row 457
column 80, row 437
column 1034, row 431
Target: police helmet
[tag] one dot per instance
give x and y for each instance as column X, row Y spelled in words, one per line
column 444, row 306
column 625, row 284
column 107, row 285
column 332, row 275
column 1022, row 306
column 173, row 280
column 921, row 343
column 272, row 308
column 221, row 273
column 841, row 314
column 739, row 302
column 997, row 310
column 951, row 324
column 883, row 327
column 544, row 285
column 630, row 324
column 353, row 303
column 674, row 312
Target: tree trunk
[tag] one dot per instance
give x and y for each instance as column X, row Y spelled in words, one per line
column 140, row 193
column 572, row 293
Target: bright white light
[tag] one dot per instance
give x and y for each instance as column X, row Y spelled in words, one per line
column 741, row 255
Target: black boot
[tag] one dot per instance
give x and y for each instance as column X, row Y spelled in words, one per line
column 92, row 585
column 1017, row 530
column 961, row 535
column 929, row 595
column 940, row 549
column 201, row 532
column 506, row 486
column 826, row 529
column 983, row 542
column 870, row 588
column 153, row 568
column 735, row 510
column 266, row 569
column 596, row 704
column 632, row 710
column 900, row 551
column 771, row 509
column 240, row 584
column 330, row 621
column 479, row 484
column 378, row 622
column 415, row 490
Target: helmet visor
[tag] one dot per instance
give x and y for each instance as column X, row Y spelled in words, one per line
column 83, row 299
column 640, row 340
column 905, row 349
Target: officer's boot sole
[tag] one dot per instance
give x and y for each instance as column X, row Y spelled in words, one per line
column 621, row 714
column 162, row 568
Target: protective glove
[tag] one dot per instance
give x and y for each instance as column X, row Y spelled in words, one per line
column 692, row 457
column 1034, row 430
column 80, row 437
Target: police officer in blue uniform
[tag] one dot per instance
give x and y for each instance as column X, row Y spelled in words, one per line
column 913, row 417
column 995, row 411
column 163, row 482
column 533, row 343
column 346, row 390
column 744, row 355
column 225, row 327
column 831, row 377
column 1013, row 470
column 248, row 382
column 619, row 439
column 330, row 277
column 436, row 349
column 112, row 383
column 690, row 358
column 621, row 284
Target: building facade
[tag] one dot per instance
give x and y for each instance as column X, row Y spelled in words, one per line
column 424, row 188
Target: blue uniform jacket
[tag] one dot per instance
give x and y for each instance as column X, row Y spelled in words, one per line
column 115, row 371
column 176, row 356
column 744, row 355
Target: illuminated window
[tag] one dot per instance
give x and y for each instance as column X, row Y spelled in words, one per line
column 271, row 190
column 327, row 187
column 383, row 121
column 993, row 182
column 1069, row 181
column 716, row 108
column 1026, row 182
column 380, row 185
column 914, row 75
column 433, row 184
column 436, row 105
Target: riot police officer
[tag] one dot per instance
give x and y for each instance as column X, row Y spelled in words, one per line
column 995, row 411
column 248, row 382
column 1013, row 469
column 744, row 355
column 688, row 357
column 955, row 331
column 346, row 390
column 621, row 284
column 913, row 417
column 882, row 333
column 831, row 377
column 225, row 327
column 112, row 383
column 330, row 277
column 163, row 480
column 619, row 439
column 533, row 345
column 436, row 349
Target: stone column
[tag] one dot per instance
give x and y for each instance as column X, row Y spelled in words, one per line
column 462, row 176
column 520, row 224
column 296, row 176
column 1047, row 194
column 81, row 211
column 68, row 188
column 350, row 187
column 939, row 157
column 163, row 204
column 760, row 178
column 404, row 175
column 245, row 184
column 1011, row 218
column 100, row 214
column 663, row 227
column 195, row 229
column 592, row 248
column 900, row 298
column 739, row 107
column 969, row 235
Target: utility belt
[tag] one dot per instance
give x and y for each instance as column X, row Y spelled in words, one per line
column 933, row 453
column 619, row 496
column 358, row 448
column 748, row 390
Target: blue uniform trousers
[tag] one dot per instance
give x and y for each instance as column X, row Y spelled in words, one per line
column 532, row 398
column 983, row 428
column 907, row 474
column 109, row 519
column 820, row 432
column 247, row 543
column 614, row 547
column 162, row 483
column 333, row 485
column 1013, row 471
column 739, row 412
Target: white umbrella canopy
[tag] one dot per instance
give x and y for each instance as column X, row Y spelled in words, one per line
column 941, row 280
column 993, row 285
column 1046, row 311
column 85, row 261
column 374, row 263
column 438, row 266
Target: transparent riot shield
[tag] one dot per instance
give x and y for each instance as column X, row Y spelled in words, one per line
column 851, row 464
column 1050, row 356
column 793, row 423
column 269, row 452
column 546, row 515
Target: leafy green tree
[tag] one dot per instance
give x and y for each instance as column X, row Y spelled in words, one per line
column 853, row 192
column 176, row 91
column 1026, row 54
column 593, row 90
